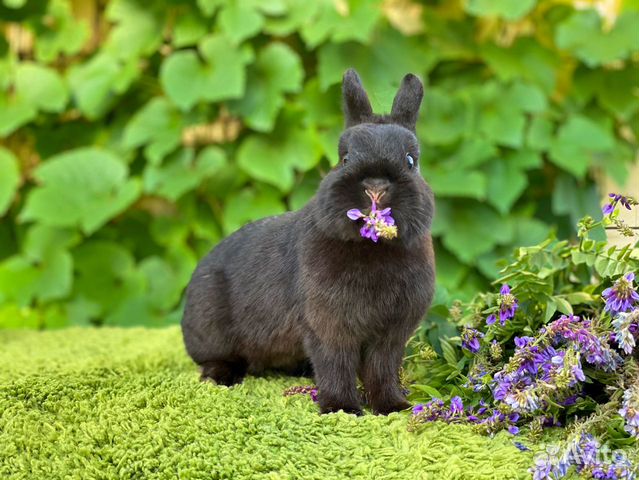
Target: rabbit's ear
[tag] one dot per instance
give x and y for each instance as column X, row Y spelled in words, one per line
column 407, row 101
column 357, row 107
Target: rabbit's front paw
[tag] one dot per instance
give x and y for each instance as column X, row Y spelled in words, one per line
column 390, row 407
column 354, row 409
column 333, row 404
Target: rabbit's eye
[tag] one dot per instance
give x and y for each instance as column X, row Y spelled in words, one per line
column 410, row 160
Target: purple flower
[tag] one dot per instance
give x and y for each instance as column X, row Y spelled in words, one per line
column 476, row 378
column 625, row 326
column 432, row 411
column 585, row 454
column 456, row 405
column 507, row 305
column 310, row 390
column 521, row 342
column 630, row 411
column 608, row 208
column 470, row 339
column 521, row 446
column 594, row 349
column 377, row 224
column 355, row 213
column 491, row 319
column 513, row 430
column 626, row 201
column 578, row 372
column 542, row 469
column 621, row 297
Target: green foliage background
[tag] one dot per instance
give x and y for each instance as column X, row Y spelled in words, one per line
column 136, row 134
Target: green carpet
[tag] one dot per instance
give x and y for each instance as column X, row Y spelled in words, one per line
column 127, row 403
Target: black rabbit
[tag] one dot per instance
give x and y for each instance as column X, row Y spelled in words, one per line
column 306, row 285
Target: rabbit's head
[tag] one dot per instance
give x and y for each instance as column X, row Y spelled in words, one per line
column 379, row 159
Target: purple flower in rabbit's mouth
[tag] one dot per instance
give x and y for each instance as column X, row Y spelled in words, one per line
column 377, row 224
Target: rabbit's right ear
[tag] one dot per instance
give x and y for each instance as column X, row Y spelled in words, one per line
column 407, row 101
column 357, row 107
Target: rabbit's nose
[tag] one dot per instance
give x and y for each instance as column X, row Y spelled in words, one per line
column 375, row 188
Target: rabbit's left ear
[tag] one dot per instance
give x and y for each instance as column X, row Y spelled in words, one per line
column 357, row 107
column 407, row 101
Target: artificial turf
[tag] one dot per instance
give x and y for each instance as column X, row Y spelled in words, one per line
column 127, row 403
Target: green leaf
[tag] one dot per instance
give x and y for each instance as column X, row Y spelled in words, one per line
column 304, row 190
column 183, row 173
column 577, row 298
column 82, row 312
column 433, row 392
column 44, row 271
column 187, row 80
column 610, row 87
column 450, row 272
column 248, row 205
column 15, row 3
column 15, row 111
column 137, row 28
column 579, row 143
column 525, row 59
column 529, row 231
column 41, row 86
column 524, row 159
column 449, row 353
column 450, row 181
column 16, row 316
column 497, row 116
column 23, row 281
column 84, row 188
column 527, row 98
column 158, row 125
column 445, row 119
column 551, row 308
column 92, row 84
column 239, row 20
column 278, row 70
column 584, row 35
column 576, row 200
column 9, row 179
column 61, row 33
column 41, row 241
column 289, row 16
column 381, row 65
column 540, row 133
column 105, row 275
column 563, row 305
column 209, row 7
column 164, row 291
column 321, row 108
column 354, row 20
column 189, row 28
column 473, row 152
column 274, row 159
column 507, row 9
column 482, row 229
column 506, row 183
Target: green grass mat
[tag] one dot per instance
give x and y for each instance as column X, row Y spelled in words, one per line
column 127, row 403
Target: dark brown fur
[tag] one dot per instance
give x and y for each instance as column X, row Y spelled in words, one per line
column 305, row 286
